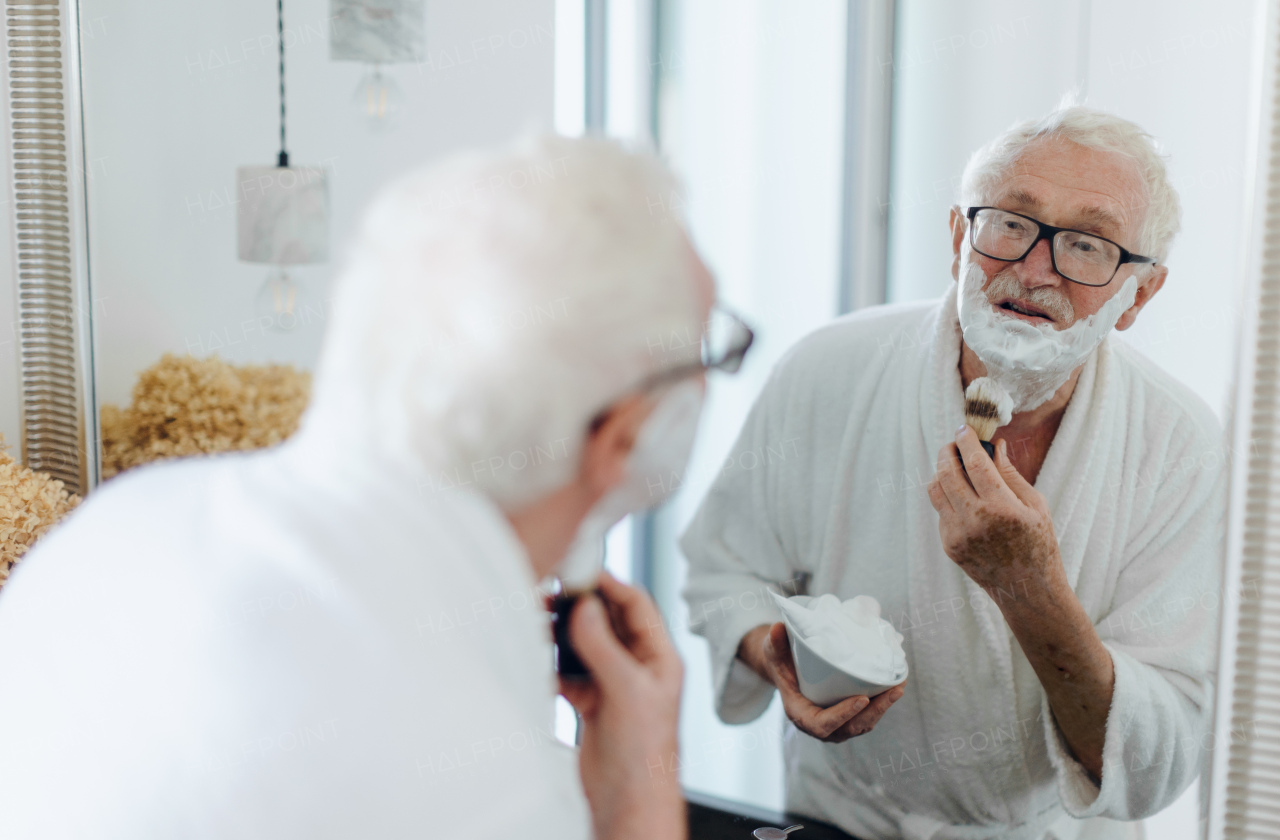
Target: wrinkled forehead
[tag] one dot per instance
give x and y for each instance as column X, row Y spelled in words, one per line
column 1068, row 185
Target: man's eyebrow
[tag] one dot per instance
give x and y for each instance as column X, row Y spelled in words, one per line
column 1089, row 219
column 1097, row 220
column 1023, row 199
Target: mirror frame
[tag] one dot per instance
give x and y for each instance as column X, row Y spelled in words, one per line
column 1239, row 774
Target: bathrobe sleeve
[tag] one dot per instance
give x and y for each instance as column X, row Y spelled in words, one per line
column 1161, row 632
column 736, row 552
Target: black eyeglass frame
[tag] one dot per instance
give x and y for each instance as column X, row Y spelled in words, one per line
column 729, row 363
column 1049, row 232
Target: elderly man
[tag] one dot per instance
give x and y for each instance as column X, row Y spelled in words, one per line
column 344, row 636
column 1051, row 599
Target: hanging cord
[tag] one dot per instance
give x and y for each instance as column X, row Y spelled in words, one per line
column 284, row 155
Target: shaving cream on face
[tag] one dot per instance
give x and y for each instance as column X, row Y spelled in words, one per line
column 1030, row 361
column 850, row 635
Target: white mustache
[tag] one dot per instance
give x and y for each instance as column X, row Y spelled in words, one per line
column 1053, row 301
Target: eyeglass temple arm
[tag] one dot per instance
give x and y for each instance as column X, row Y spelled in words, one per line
column 680, row 371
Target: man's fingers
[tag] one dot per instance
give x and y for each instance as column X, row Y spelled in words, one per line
column 951, row 478
column 819, row 722
column 803, row 712
column 1021, row 488
column 880, row 704
column 642, row 628
column 981, row 470
column 869, row 716
column 938, row 498
column 593, row 639
column 639, row 613
column 832, row 718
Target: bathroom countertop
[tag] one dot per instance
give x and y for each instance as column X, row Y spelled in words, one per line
column 713, row 818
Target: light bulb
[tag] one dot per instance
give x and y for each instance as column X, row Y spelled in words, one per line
column 379, row 98
column 282, row 302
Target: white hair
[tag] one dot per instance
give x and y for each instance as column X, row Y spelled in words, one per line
column 1093, row 129
column 491, row 304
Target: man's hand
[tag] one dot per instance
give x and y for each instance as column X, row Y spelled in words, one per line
column 993, row 524
column 766, row 650
column 998, row 529
column 629, row 709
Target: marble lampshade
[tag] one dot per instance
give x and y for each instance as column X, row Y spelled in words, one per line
column 377, row 31
column 283, row 215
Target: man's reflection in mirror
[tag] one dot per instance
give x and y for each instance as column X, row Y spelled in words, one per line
column 1060, row 649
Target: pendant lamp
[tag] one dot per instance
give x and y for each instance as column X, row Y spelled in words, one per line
column 283, row 221
column 378, row 33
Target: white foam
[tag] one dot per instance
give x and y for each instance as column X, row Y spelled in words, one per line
column 1031, row 361
column 850, row 635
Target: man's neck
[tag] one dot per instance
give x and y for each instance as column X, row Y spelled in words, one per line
column 547, row 527
column 1028, row 434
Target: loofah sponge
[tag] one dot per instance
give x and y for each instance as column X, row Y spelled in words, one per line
column 187, row 406
column 30, row 504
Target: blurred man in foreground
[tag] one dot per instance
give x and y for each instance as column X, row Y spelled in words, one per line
column 344, row 636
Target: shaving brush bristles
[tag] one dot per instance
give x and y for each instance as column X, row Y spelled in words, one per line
column 987, row 407
column 981, row 416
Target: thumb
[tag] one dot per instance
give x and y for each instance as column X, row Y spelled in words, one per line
column 780, row 653
column 1019, row 485
column 593, row 639
column 582, row 695
column 779, row 642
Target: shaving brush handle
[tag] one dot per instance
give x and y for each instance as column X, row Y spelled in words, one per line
column 568, row 663
column 990, row 447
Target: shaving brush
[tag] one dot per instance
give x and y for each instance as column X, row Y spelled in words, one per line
column 987, row 407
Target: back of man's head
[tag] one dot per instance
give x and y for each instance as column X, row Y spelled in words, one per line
column 493, row 302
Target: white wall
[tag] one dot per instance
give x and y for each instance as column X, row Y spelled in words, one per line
column 1186, row 79
column 177, row 95
column 752, row 119
column 961, row 73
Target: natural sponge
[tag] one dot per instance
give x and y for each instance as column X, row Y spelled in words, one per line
column 187, row 406
column 30, row 503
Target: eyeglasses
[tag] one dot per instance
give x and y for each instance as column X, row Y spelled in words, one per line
column 723, row 344
column 1079, row 257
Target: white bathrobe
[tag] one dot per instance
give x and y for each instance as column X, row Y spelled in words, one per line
column 299, row 643
column 851, row 422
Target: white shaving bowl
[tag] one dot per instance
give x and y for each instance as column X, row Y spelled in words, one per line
column 823, row 683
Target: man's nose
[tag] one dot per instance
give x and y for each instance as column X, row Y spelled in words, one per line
column 1036, row 269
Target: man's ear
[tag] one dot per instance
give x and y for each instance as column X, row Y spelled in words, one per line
column 958, row 223
column 1146, row 291
column 609, row 444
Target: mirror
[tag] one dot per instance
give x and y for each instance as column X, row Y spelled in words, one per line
column 750, row 108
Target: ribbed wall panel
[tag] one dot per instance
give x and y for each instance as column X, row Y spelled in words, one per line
column 1252, row 789
column 38, row 100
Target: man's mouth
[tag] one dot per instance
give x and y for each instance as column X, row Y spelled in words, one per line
column 1025, row 311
